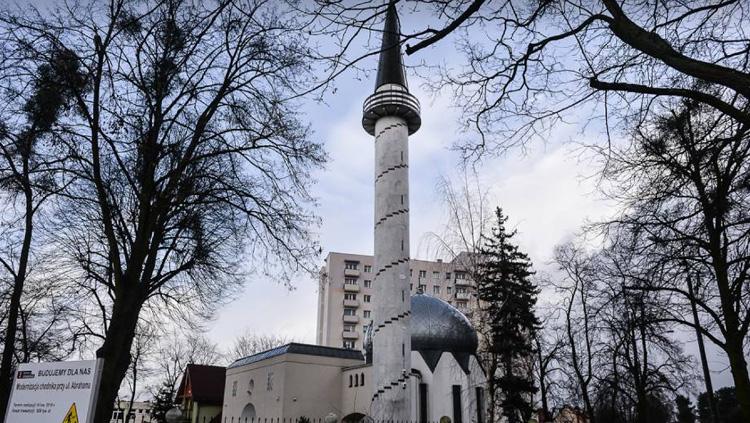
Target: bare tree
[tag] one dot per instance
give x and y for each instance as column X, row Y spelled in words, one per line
column 174, row 351
column 144, row 348
column 549, row 348
column 683, row 186
column 530, row 65
column 34, row 99
column 468, row 215
column 620, row 352
column 576, row 286
column 188, row 156
column 648, row 367
column 249, row 343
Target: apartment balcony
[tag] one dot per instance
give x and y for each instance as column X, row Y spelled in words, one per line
column 351, row 272
column 351, row 303
column 464, row 282
column 349, row 335
column 463, row 296
column 350, row 287
column 351, row 319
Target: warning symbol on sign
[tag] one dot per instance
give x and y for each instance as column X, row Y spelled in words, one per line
column 72, row 416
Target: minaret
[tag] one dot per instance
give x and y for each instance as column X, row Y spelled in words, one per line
column 391, row 114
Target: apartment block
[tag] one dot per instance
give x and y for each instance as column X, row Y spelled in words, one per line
column 345, row 293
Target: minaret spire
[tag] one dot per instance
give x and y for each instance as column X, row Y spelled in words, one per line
column 391, row 114
column 390, row 66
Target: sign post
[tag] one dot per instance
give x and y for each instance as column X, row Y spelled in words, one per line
column 60, row 392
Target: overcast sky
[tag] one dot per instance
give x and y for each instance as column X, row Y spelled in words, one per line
column 547, row 192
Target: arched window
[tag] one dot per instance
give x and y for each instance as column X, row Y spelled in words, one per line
column 362, row 379
column 351, row 381
column 248, row 412
column 356, row 380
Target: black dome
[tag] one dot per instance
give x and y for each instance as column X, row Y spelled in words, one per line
column 438, row 326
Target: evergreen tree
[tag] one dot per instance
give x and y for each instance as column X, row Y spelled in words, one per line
column 163, row 402
column 685, row 412
column 726, row 403
column 507, row 298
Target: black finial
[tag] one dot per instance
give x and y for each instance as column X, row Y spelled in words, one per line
column 390, row 68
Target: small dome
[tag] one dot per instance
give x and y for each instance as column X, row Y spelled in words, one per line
column 175, row 415
column 438, row 326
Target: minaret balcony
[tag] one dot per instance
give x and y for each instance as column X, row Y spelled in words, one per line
column 391, row 100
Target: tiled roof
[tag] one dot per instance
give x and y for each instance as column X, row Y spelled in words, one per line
column 203, row 384
column 295, row 348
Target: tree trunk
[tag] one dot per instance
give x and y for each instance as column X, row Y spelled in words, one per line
column 739, row 373
column 116, row 353
column 9, row 343
column 542, row 377
column 704, row 359
column 491, row 388
column 132, row 393
column 734, row 337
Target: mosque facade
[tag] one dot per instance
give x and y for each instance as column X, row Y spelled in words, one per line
column 296, row 380
column 418, row 362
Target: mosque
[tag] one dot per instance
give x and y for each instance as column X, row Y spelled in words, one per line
column 419, row 361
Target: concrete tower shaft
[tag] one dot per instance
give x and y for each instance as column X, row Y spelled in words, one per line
column 391, row 114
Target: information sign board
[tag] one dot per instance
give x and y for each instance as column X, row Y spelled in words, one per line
column 60, row 392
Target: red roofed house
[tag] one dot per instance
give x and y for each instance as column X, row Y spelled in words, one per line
column 201, row 393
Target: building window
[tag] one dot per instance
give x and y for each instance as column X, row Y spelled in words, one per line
column 350, row 281
column 480, row 404
column 351, row 381
column 349, row 345
column 457, row 411
column 368, row 268
column 422, row 403
column 460, row 275
column 366, row 314
column 234, row 388
column 368, row 283
column 447, row 276
column 411, row 272
column 367, row 298
column 349, row 328
column 361, row 379
column 436, row 289
column 351, row 265
column 411, row 287
column 448, row 289
column 421, row 288
column 422, row 274
column 350, row 296
column 356, row 380
column 350, row 311
column 436, row 275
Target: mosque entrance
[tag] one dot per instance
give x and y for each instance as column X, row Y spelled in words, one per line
column 248, row 412
column 353, row 418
